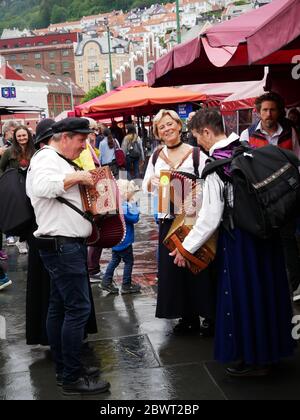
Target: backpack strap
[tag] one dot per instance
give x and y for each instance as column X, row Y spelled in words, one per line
column 215, row 166
column 196, row 161
column 156, row 154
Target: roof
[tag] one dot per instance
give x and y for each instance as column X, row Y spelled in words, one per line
column 56, row 84
column 102, row 43
column 269, row 35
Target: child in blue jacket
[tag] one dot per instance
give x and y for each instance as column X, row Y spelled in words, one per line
column 124, row 251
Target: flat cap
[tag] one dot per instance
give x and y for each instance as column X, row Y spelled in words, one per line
column 72, row 125
column 44, row 130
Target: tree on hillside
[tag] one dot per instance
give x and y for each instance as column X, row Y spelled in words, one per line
column 58, row 14
column 45, row 13
column 93, row 93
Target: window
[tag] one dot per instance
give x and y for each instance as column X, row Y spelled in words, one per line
column 40, row 44
column 80, row 66
column 65, row 53
column 38, row 66
column 120, row 50
column 81, row 78
column 67, row 74
column 92, row 52
column 139, row 74
column 52, row 66
column 37, row 55
column 12, row 57
column 54, row 42
column 52, row 54
column 150, row 65
column 68, row 41
column 66, row 65
column 24, row 56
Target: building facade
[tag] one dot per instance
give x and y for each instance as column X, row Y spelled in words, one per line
column 92, row 60
column 53, row 53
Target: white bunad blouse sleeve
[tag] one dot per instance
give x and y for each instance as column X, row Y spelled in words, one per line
column 150, row 171
column 210, row 214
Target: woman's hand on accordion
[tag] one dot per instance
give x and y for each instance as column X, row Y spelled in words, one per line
column 179, row 259
column 153, row 183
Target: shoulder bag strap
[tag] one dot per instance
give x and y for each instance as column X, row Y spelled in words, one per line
column 84, row 214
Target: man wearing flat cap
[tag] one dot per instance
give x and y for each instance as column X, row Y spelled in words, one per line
column 61, row 236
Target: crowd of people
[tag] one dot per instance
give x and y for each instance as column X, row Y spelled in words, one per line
column 243, row 298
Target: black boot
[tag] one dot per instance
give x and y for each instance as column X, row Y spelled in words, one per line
column 207, row 328
column 190, row 325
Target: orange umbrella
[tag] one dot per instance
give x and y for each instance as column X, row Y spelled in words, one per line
column 140, row 101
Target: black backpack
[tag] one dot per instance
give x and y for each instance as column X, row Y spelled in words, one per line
column 134, row 150
column 16, row 212
column 266, row 188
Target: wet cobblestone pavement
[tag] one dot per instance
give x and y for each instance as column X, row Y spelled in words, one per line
column 136, row 352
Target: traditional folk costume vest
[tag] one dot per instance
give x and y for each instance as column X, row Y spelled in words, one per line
column 258, row 139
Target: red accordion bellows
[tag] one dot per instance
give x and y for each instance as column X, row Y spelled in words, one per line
column 103, row 202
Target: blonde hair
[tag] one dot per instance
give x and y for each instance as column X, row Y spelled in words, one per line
column 162, row 113
column 126, row 187
column 92, row 123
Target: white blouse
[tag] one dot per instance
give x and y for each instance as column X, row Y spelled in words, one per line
column 187, row 166
column 211, row 212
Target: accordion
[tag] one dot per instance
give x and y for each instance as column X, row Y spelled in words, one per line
column 102, row 201
column 181, row 195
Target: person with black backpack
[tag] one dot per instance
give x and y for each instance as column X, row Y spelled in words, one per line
column 254, row 313
column 132, row 146
column 273, row 128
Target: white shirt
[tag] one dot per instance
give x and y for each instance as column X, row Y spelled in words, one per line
column 210, row 214
column 45, row 182
column 187, row 166
column 273, row 139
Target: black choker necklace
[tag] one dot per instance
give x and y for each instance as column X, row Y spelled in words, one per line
column 176, row 145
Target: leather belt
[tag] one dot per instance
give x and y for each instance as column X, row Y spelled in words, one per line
column 52, row 243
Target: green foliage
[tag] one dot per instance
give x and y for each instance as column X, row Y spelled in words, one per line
column 241, row 2
column 36, row 14
column 93, row 93
column 58, row 14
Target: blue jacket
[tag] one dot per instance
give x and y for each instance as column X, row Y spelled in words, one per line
column 132, row 216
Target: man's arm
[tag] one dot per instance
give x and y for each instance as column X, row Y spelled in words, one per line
column 46, row 180
column 79, row 177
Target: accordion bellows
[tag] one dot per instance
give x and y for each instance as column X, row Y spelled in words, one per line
column 103, row 202
column 202, row 257
column 182, row 192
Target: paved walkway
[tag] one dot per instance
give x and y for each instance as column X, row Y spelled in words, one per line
column 135, row 351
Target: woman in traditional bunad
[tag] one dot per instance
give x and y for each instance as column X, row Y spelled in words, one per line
column 181, row 294
column 254, row 313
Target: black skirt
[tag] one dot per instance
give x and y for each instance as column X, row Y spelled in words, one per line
column 180, row 292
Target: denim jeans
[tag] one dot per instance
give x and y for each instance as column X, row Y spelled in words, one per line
column 117, row 256
column 136, row 169
column 69, row 306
